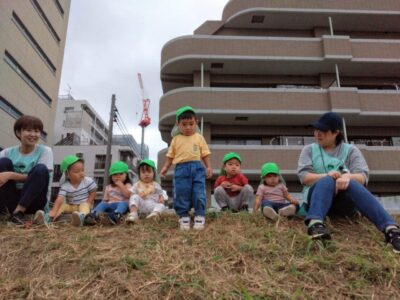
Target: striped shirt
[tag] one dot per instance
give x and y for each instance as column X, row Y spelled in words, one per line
column 77, row 195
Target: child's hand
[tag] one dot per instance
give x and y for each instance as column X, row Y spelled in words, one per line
column 163, row 172
column 235, row 187
column 226, row 184
column 118, row 183
column 52, row 214
column 142, row 194
column 295, row 202
column 209, row 172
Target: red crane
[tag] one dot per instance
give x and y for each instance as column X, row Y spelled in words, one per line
column 145, row 120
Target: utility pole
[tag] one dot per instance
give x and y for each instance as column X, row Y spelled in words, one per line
column 109, row 142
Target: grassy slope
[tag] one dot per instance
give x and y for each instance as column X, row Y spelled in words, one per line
column 237, row 256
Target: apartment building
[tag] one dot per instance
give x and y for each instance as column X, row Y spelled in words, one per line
column 32, row 40
column 259, row 76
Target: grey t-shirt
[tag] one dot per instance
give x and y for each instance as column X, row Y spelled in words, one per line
column 355, row 161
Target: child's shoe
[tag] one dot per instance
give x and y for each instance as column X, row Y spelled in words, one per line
column 184, row 223
column 41, row 218
column 90, row 219
column 393, row 237
column 77, row 218
column 270, row 213
column 17, row 218
column 104, row 219
column 287, row 211
column 132, row 218
column 153, row 215
column 199, row 222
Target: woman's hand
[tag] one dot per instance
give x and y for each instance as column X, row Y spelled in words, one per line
column 342, row 183
column 334, row 174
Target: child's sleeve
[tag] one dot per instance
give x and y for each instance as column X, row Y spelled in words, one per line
column 158, row 189
column 244, row 179
column 204, row 150
column 260, row 190
column 171, row 149
column 91, row 184
column 283, row 188
column 218, row 181
column 134, row 189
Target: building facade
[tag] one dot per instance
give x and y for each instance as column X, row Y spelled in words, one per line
column 32, row 40
column 259, row 76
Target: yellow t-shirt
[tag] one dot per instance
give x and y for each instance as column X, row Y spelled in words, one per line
column 188, row 148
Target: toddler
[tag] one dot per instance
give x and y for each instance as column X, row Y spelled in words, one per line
column 273, row 193
column 147, row 195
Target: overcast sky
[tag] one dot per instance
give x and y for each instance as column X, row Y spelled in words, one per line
column 110, row 41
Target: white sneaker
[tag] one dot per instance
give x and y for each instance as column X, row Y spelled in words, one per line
column 199, row 222
column 132, row 218
column 77, row 218
column 184, row 223
column 287, row 211
column 153, row 215
column 270, row 213
column 39, row 218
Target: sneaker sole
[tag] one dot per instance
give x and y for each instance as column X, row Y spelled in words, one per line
column 39, row 219
column 321, row 236
column 270, row 213
column 287, row 211
column 75, row 220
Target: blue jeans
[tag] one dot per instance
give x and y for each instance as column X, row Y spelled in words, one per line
column 322, row 198
column 114, row 207
column 190, row 188
column 273, row 204
column 33, row 195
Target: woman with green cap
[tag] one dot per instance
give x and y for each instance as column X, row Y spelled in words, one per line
column 147, row 195
column 276, row 200
column 116, row 197
column 231, row 189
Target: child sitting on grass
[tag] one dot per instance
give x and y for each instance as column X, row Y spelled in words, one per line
column 76, row 195
column 273, row 193
column 116, row 197
column 147, row 195
column 231, row 189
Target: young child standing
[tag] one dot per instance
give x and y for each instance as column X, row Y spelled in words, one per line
column 76, row 195
column 231, row 189
column 147, row 195
column 116, row 196
column 274, row 194
column 25, row 171
column 186, row 151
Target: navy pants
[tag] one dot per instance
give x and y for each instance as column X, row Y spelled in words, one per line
column 33, row 195
column 322, row 199
column 190, row 188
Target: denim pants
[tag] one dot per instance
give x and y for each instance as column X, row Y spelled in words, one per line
column 322, row 199
column 190, row 188
column 116, row 207
column 273, row 204
column 33, row 195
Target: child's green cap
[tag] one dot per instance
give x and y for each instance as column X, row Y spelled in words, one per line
column 148, row 162
column 269, row 168
column 118, row 167
column 182, row 110
column 68, row 161
column 231, row 155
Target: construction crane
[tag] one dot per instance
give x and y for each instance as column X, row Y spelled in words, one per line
column 145, row 120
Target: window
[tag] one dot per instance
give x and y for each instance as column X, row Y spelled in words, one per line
column 26, row 77
column 57, row 173
column 100, row 162
column 59, row 7
column 79, row 155
column 9, row 108
column 33, row 42
column 236, row 141
column 100, row 183
column 46, row 21
column 257, row 19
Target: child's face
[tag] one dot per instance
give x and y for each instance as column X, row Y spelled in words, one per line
column 29, row 137
column 187, row 126
column 271, row 179
column 232, row 167
column 118, row 177
column 76, row 173
column 146, row 174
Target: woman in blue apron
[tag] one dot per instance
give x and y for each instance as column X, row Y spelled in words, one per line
column 334, row 175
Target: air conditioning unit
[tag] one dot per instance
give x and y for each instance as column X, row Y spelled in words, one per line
column 292, row 140
column 396, row 141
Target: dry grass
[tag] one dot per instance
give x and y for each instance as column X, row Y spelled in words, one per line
column 237, row 256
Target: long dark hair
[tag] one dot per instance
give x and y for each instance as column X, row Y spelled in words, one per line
column 127, row 179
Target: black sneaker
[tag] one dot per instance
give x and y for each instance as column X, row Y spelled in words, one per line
column 224, row 208
column 90, row 220
column 17, row 218
column 319, row 231
column 245, row 207
column 393, row 238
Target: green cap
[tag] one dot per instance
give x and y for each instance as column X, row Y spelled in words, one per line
column 118, row 167
column 182, row 110
column 148, row 162
column 68, row 161
column 231, row 155
column 269, row 168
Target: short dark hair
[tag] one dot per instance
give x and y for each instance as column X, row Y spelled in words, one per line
column 339, row 138
column 27, row 122
column 187, row 115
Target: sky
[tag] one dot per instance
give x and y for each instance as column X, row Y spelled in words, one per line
column 110, row 41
